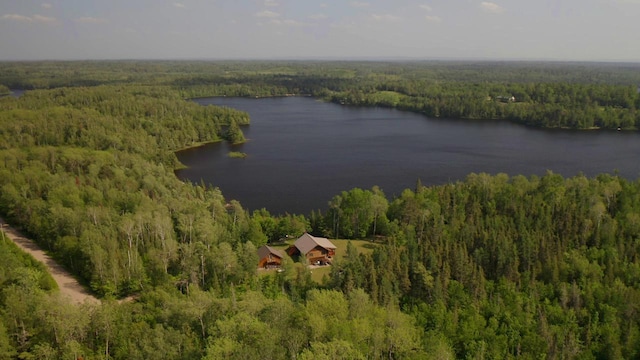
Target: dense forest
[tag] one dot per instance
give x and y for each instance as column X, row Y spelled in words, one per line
column 553, row 95
column 491, row 266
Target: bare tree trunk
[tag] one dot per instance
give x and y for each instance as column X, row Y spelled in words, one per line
column 106, row 348
column 375, row 221
column 202, row 269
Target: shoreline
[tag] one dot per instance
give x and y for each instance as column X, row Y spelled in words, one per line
column 197, row 145
column 250, row 96
column 182, row 166
column 592, row 128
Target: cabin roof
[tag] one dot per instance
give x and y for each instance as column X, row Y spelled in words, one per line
column 306, row 243
column 266, row 250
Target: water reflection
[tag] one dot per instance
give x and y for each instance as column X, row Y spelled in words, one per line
column 302, row 152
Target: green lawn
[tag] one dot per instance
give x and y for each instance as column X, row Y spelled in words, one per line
column 319, row 273
column 363, row 246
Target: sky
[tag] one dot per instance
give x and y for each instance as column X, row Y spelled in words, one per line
column 564, row 30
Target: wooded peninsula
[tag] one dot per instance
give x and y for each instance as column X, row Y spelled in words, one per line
column 490, row 267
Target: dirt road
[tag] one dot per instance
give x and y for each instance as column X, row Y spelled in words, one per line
column 68, row 285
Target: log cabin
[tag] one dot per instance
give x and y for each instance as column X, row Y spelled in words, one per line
column 270, row 258
column 316, row 250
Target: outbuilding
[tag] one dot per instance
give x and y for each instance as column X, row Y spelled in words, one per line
column 270, row 258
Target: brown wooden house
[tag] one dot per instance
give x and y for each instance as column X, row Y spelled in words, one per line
column 270, row 258
column 317, row 250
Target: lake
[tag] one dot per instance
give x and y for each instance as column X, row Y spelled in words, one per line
column 302, row 152
column 16, row 92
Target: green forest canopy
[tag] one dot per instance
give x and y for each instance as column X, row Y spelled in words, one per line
column 488, row 267
column 546, row 94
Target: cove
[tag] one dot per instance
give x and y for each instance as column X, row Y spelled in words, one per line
column 302, row 152
column 16, row 93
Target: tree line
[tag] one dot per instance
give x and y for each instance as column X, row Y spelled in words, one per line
column 500, row 267
column 552, row 95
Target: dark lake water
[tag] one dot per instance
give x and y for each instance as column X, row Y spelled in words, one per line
column 17, row 92
column 302, row 152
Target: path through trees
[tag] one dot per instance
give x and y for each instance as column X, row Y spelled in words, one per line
column 69, row 286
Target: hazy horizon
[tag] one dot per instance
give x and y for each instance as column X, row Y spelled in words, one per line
column 464, row 30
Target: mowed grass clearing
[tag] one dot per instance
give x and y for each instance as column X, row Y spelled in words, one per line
column 363, row 247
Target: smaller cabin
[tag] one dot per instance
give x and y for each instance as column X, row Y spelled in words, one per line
column 506, row 99
column 317, row 250
column 270, row 258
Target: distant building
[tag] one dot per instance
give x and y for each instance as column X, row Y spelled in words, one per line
column 506, row 98
column 270, row 258
column 317, row 250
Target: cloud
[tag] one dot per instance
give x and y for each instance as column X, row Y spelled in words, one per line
column 294, row 23
column 434, row 19
column 317, row 16
column 43, row 19
column 16, row 17
column 267, row 14
column 35, row 18
column 90, row 20
column 343, row 26
column 288, row 22
column 430, row 18
column 179, row 5
column 385, row 17
column 270, row 3
column 359, row 4
column 46, row 6
column 491, row 7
